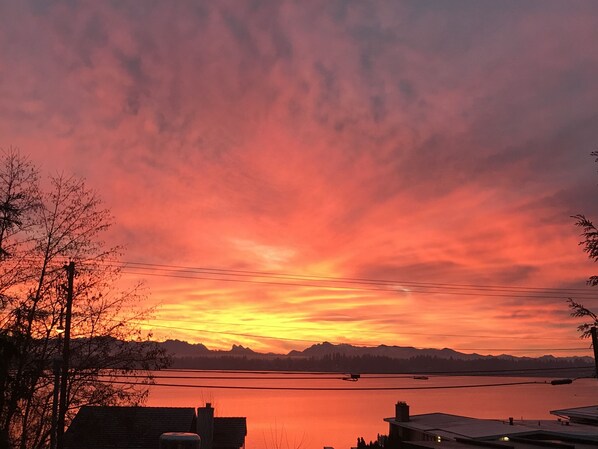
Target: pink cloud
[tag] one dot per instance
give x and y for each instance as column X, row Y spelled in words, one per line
column 395, row 141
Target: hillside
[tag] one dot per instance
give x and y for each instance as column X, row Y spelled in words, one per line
column 378, row 359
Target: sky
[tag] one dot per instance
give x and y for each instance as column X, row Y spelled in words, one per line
column 439, row 146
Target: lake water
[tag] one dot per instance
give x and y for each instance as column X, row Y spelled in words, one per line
column 292, row 419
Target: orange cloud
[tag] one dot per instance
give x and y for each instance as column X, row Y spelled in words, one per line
column 403, row 142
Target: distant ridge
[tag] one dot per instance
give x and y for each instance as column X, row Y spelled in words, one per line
column 344, row 357
column 395, row 352
column 180, row 348
column 238, row 349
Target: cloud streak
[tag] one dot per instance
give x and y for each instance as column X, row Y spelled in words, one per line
column 404, row 141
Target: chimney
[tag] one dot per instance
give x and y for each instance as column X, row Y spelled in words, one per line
column 402, row 412
column 205, row 425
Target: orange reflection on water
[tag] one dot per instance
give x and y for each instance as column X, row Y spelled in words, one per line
column 313, row 419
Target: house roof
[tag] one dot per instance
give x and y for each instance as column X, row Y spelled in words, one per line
column 229, row 432
column 580, row 414
column 473, row 444
column 454, row 426
column 97, row 427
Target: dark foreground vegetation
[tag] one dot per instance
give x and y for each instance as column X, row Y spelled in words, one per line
column 57, row 274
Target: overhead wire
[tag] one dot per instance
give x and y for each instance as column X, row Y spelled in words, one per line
column 382, row 375
column 159, row 376
column 353, row 288
column 348, row 279
column 516, row 291
column 125, row 264
column 252, row 387
column 238, row 334
column 299, row 375
column 198, row 273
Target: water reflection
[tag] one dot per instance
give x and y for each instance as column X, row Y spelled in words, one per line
column 314, row 419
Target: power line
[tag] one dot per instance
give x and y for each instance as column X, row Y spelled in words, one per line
column 265, row 374
column 250, row 281
column 478, row 289
column 253, row 273
column 238, row 334
column 168, row 270
column 175, row 271
column 292, row 376
column 226, row 371
column 348, row 279
column 283, row 375
column 248, row 387
column 351, row 288
column 140, row 376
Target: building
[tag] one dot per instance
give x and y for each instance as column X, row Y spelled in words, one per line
column 574, row 428
column 97, row 427
column 580, row 415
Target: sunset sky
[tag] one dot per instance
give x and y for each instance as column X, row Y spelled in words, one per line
column 431, row 144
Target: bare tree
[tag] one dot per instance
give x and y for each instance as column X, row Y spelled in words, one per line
column 39, row 234
column 19, row 199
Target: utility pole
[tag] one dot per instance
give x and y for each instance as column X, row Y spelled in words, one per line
column 55, row 398
column 56, row 365
column 595, row 346
column 70, row 269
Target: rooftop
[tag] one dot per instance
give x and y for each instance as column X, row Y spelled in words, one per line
column 520, row 444
column 111, row 427
column 579, row 414
column 452, row 427
column 96, row 427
